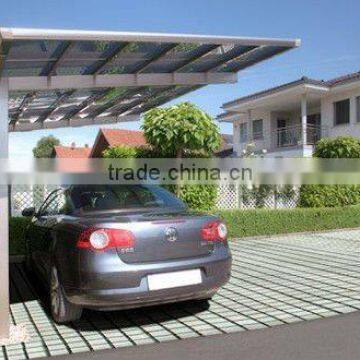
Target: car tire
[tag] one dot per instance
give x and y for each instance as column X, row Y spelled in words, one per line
column 204, row 303
column 62, row 310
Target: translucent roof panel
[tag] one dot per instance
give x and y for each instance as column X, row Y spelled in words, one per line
column 131, row 58
column 138, row 62
column 178, row 57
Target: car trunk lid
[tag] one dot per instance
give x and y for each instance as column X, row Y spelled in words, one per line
column 166, row 237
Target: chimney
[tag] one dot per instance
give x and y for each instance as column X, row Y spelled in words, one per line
column 73, row 145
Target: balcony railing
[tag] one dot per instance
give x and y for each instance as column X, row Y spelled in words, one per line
column 292, row 135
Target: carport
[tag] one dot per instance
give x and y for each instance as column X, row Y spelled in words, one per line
column 60, row 78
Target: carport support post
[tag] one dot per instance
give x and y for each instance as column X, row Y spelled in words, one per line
column 4, row 213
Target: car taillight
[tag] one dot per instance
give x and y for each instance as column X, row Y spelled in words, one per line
column 214, row 231
column 103, row 239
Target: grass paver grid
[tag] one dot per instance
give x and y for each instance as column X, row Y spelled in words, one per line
column 277, row 280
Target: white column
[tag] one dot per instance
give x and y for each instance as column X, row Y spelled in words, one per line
column 303, row 119
column 4, row 213
column 353, row 110
column 236, row 137
column 249, row 127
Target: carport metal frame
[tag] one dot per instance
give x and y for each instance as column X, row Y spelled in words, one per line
column 48, row 80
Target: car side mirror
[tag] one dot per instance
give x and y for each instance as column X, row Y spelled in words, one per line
column 28, row 212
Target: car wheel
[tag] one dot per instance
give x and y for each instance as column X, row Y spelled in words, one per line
column 62, row 310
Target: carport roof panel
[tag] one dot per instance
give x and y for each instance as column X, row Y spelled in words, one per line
column 133, row 70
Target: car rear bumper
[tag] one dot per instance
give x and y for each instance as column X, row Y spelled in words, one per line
column 215, row 272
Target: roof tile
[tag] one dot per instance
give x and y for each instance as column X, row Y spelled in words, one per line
column 72, row 152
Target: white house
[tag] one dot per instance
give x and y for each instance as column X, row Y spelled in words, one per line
column 287, row 120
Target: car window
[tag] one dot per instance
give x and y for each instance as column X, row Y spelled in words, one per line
column 108, row 197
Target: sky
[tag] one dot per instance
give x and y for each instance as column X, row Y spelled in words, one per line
column 329, row 30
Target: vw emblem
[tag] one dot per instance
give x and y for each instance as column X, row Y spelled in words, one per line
column 171, row 234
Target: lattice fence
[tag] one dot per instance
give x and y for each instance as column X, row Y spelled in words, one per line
column 235, row 197
column 24, row 196
column 229, row 197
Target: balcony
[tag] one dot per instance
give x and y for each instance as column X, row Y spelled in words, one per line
column 292, row 135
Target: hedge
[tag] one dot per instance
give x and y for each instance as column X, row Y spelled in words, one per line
column 243, row 223
column 17, row 227
column 333, row 195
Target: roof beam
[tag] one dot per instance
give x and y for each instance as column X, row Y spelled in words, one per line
column 142, row 100
column 97, row 68
column 229, row 56
column 112, row 102
column 155, row 57
column 93, row 69
column 83, row 35
column 4, row 50
column 88, row 101
column 25, row 102
column 33, row 83
column 139, row 68
column 255, row 56
column 51, row 67
column 206, row 50
column 61, row 99
column 163, row 99
column 28, row 126
column 99, row 65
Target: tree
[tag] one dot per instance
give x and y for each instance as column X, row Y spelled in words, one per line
column 45, row 146
column 179, row 128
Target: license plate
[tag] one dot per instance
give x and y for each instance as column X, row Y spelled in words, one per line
column 174, row 279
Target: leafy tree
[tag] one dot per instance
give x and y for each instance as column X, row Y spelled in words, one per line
column 184, row 127
column 45, row 146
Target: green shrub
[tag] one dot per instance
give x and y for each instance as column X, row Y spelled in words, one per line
column 329, row 195
column 123, row 152
column 339, row 147
column 199, row 197
column 17, row 227
column 332, row 195
column 242, row 223
column 120, row 152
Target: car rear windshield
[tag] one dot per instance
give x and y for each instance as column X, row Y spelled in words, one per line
column 112, row 197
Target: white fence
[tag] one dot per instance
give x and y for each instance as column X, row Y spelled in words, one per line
column 229, row 197
column 239, row 197
column 24, row 196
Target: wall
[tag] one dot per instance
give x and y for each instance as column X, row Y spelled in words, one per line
column 327, row 114
column 259, row 144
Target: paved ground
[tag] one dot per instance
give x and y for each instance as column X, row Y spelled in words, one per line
column 279, row 280
column 333, row 338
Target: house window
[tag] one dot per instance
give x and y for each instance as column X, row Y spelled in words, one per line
column 358, row 108
column 258, row 129
column 342, row 112
column 243, row 132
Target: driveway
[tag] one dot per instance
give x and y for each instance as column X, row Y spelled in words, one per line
column 277, row 280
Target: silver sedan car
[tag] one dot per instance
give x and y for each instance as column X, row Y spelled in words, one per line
column 107, row 247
